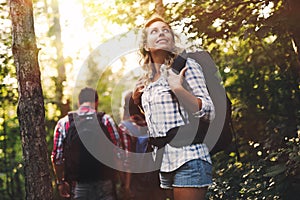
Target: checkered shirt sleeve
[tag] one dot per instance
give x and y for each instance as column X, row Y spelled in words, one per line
column 59, row 135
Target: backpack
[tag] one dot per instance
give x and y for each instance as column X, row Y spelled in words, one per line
column 79, row 163
column 227, row 136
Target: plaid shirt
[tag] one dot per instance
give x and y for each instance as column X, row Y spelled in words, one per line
column 162, row 114
column 62, row 126
column 126, row 143
column 125, row 136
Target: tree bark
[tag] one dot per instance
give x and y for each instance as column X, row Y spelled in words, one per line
column 31, row 113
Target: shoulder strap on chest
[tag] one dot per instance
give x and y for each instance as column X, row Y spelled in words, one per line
column 100, row 115
column 201, row 57
column 72, row 115
column 179, row 62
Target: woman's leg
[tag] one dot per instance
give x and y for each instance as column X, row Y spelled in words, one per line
column 169, row 194
column 184, row 193
column 190, row 181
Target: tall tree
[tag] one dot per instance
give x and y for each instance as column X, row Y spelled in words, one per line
column 31, row 113
column 61, row 78
column 10, row 144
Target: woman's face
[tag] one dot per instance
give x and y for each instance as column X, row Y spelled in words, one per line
column 159, row 37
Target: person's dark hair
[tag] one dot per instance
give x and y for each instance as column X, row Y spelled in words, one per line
column 88, row 95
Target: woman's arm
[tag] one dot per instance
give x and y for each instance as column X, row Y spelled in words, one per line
column 138, row 91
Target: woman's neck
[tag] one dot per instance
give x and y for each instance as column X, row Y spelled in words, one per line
column 156, row 75
column 159, row 56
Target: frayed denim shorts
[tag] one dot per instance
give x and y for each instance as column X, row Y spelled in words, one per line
column 194, row 173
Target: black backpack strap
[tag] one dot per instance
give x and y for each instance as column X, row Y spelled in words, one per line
column 100, row 116
column 203, row 58
column 72, row 115
column 179, row 62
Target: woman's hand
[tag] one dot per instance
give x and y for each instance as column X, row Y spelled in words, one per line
column 187, row 99
column 175, row 80
column 138, row 90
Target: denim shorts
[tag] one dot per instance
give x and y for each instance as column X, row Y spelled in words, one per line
column 194, row 173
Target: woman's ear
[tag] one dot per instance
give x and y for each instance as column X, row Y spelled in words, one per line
column 146, row 47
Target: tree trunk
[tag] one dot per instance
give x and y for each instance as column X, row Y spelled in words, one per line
column 159, row 8
column 294, row 17
column 31, row 113
column 61, row 78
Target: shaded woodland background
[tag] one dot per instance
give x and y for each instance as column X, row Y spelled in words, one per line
column 255, row 44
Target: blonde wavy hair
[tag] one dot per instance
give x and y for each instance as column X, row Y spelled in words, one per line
column 146, row 61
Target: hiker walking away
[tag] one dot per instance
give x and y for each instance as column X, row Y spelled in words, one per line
column 97, row 181
column 172, row 100
column 134, row 131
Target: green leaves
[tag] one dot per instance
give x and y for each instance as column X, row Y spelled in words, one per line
column 275, row 170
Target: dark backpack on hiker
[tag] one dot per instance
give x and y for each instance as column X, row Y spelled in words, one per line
column 79, row 163
column 218, row 95
column 222, row 105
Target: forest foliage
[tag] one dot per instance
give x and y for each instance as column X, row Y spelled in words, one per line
column 255, row 44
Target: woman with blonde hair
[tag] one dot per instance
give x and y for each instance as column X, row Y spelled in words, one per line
column 187, row 170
